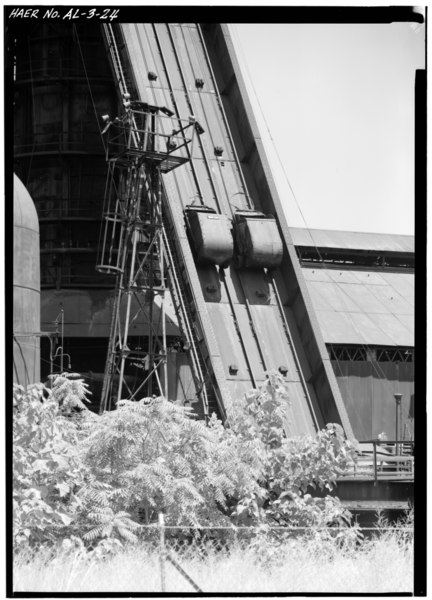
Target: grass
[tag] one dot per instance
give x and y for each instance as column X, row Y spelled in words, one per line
column 298, row 566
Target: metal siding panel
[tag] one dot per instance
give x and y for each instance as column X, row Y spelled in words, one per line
column 322, row 296
column 365, row 302
column 378, row 296
column 228, row 184
column 338, row 328
column 169, row 58
column 342, row 276
column 369, row 278
column 299, row 419
column 183, row 184
column 206, row 186
column 390, row 297
column 199, row 65
column 369, row 329
column 408, row 322
column 312, row 275
column 187, row 50
column 336, row 297
column 352, row 240
column 301, row 354
column 207, row 106
column 355, row 383
column 250, row 342
column 140, row 41
column 273, row 341
column 396, row 329
column 228, row 341
column 368, row 388
column 403, row 283
column 393, row 378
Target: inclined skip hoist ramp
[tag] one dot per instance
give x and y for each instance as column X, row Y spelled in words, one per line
column 190, row 202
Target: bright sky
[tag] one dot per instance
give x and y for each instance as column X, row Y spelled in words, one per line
column 339, row 104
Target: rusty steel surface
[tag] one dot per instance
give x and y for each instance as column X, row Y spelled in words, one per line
column 358, row 307
column 352, row 240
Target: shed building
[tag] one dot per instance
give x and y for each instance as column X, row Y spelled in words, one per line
column 362, row 290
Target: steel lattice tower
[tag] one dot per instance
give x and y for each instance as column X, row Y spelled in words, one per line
column 141, row 145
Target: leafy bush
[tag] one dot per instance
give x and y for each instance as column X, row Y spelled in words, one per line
column 79, row 475
column 288, row 467
column 152, row 456
column 47, row 468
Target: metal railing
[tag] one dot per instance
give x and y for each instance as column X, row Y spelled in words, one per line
column 383, row 460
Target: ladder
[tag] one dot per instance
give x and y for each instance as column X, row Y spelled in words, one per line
column 173, row 267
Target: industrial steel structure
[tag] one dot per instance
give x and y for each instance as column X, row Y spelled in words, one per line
column 139, row 147
column 362, row 290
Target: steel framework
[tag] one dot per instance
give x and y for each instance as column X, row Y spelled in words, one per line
column 141, row 145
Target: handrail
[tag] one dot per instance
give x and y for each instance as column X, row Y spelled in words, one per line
column 380, row 464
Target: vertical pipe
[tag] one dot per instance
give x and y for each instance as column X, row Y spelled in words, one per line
column 151, row 294
column 62, row 337
column 398, row 398
column 51, row 355
column 397, row 428
column 127, row 316
column 375, row 461
column 164, row 392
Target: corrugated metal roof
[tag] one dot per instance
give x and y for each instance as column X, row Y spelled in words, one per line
column 358, row 307
column 352, row 240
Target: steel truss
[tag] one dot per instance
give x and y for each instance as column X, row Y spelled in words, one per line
column 144, row 143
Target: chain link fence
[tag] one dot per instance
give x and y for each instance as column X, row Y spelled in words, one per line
column 212, row 559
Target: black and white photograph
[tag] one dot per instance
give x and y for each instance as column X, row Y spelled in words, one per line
column 209, row 299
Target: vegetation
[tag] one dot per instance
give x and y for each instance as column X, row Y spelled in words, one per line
column 101, row 476
column 87, row 486
column 382, row 565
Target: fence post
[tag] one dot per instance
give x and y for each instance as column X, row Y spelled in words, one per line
column 162, row 552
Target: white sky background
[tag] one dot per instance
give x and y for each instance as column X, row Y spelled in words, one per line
column 339, row 104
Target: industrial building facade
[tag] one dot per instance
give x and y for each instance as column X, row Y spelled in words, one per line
column 362, row 289
column 346, row 299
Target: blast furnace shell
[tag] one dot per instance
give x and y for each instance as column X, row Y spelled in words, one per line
column 26, row 288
